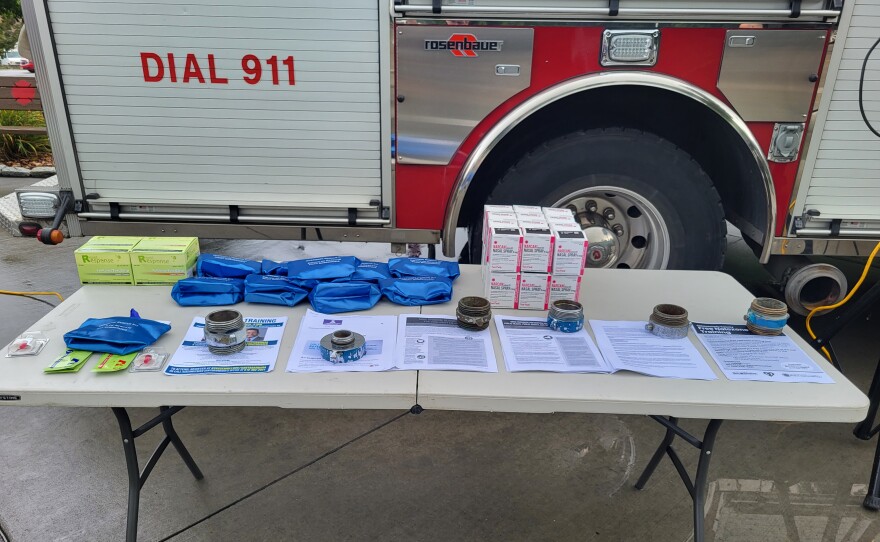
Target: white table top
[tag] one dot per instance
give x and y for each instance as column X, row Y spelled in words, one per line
column 610, row 295
column 24, row 375
column 631, row 295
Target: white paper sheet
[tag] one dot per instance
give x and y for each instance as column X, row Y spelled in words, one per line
column 379, row 331
column 193, row 356
column 628, row 346
column 436, row 342
column 742, row 355
column 529, row 345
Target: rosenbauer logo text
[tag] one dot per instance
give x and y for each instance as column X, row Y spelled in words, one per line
column 463, row 45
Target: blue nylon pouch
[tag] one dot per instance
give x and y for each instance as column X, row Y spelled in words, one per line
column 368, row 272
column 333, row 297
column 274, row 290
column 321, row 269
column 118, row 335
column 423, row 267
column 207, row 291
column 268, row 267
column 214, row 265
column 417, row 290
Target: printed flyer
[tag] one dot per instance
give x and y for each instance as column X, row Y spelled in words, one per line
column 259, row 355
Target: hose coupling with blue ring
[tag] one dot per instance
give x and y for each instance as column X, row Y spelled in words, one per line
column 566, row 316
column 766, row 316
column 343, row 346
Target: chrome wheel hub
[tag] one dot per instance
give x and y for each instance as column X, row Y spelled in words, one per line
column 624, row 229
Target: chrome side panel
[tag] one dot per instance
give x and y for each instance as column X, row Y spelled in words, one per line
column 443, row 95
column 643, row 9
column 824, row 247
column 763, row 232
column 765, row 74
column 260, row 231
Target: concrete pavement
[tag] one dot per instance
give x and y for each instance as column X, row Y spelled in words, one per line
column 274, row 474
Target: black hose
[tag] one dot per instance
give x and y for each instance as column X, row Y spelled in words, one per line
column 861, row 88
column 41, row 301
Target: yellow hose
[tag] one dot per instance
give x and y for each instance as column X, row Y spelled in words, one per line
column 9, row 292
column 844, row 300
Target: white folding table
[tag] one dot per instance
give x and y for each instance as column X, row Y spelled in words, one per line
column 709, row 297
column 22, row 381
column 606, row 294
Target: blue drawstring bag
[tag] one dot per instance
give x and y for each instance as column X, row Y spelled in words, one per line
column 207, row 291
column 417, row 290
column 322, row 269
column 369, row 272
column 273, row 290
column 214, row 265
column 268, row 267
column 423, row 267
column 118, row 335
column 333, row 297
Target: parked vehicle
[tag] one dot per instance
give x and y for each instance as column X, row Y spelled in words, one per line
column 29, row 66
column 12, row 58
column 396, row 121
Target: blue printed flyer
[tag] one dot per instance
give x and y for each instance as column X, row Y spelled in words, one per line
column 259, row 355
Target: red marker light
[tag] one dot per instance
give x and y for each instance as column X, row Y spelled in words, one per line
column 29, row 229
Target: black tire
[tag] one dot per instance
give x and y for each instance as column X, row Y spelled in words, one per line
column 643, row 163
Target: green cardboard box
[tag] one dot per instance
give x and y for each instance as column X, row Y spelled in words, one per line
column 163, row 260
column 104, row 260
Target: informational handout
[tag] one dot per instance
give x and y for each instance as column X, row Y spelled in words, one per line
column 529, row 345
column 437, row 343
column 380, row 333
column 628, row 346
column 742, row 355
column 259, row 354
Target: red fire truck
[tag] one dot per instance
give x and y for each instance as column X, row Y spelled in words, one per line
column 397, row 120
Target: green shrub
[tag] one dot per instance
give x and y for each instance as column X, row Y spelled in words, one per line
column 17, row 146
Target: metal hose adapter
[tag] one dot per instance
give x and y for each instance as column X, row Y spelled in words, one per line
column 224, row 332
column 766, row 316
column 668, row 321
column 566, row 316
column 343, row 346
column 473, row 313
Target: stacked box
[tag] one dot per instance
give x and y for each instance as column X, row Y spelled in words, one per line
column 105, row 260
column 555, row 214
column 534, row 291
column 497, row 220
column 551, row 250
column 501, row 289
column 163, row 260
column 538, row 245
column 569, row 251
column 564, row 287
column 527, row 211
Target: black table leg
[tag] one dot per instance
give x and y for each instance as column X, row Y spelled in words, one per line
column 697, row 487
column 136, row 478
column 865, row 430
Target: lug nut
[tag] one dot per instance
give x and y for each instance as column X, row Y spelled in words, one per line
column 591, row 206
column 617, row 229
column 608, row 213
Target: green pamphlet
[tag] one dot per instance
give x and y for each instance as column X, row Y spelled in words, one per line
column 111, row 363
column 71, row 362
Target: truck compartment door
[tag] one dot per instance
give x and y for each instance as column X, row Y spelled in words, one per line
column 203, row 104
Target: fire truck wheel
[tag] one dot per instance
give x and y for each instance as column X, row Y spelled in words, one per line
column 643, row 201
